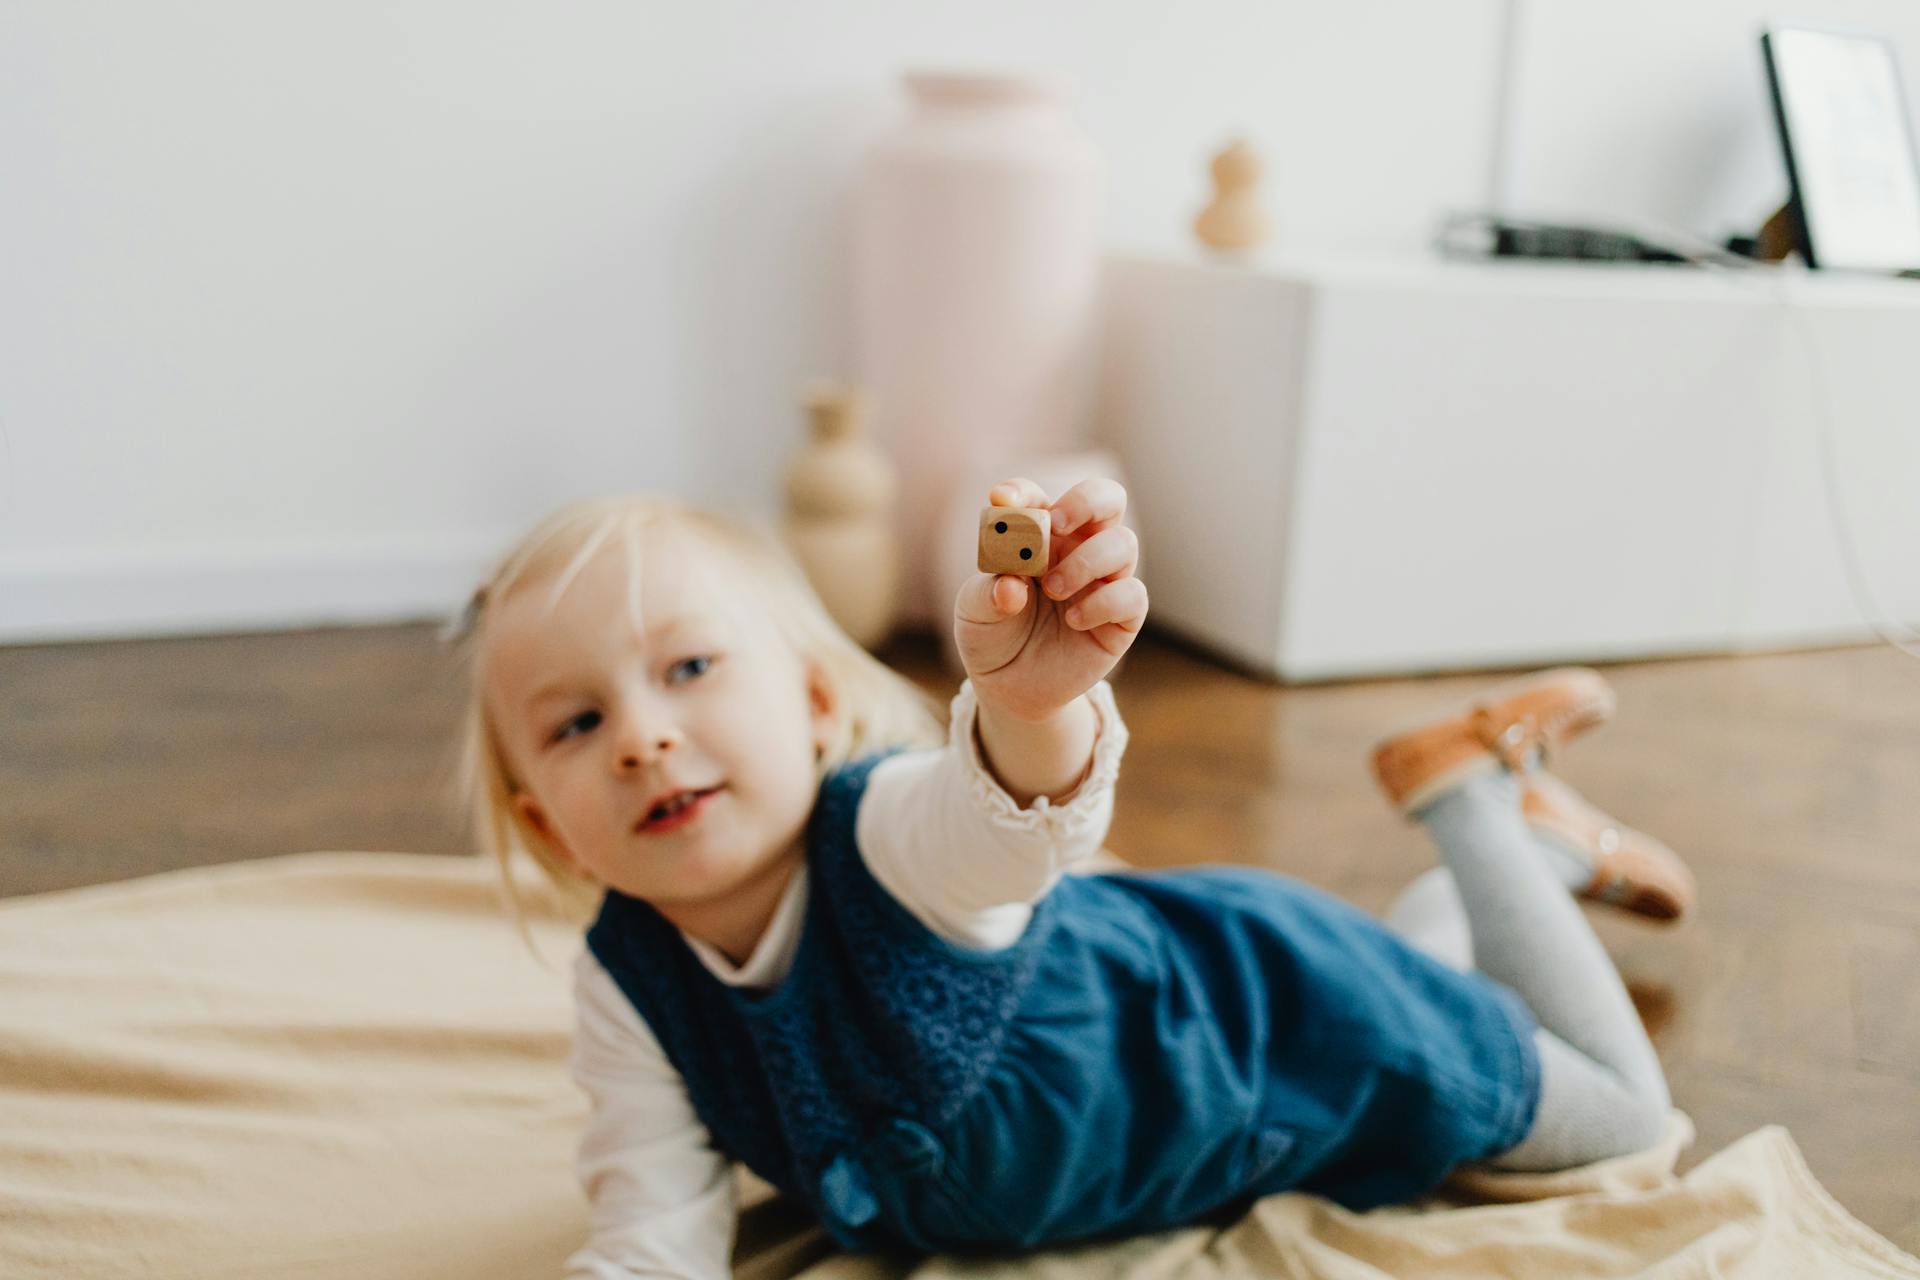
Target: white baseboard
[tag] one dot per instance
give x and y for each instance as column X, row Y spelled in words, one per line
column 125, row 594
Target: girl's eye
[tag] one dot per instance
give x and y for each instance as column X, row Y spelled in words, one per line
column 584, row 722
column 688, row 669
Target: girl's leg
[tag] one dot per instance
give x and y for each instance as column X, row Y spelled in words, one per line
column 1527, row 933
column 1428, row 914
column 1586, row 1113
column 1582, row 1103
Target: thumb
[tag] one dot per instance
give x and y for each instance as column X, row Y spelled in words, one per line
column 986, row 599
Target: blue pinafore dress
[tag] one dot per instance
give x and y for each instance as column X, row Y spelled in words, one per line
column 1157, row 1048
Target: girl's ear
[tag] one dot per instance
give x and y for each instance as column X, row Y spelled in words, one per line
column 824, row 699
column 534, row 816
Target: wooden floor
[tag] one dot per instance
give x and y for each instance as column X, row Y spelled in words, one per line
column 1791, row 782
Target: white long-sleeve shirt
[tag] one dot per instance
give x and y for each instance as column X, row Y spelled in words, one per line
column 941, row 835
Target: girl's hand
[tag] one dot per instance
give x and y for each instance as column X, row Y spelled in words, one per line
column 1031, row 653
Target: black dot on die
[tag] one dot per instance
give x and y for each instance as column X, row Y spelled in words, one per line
column 1000, row 526
column 1026, row 553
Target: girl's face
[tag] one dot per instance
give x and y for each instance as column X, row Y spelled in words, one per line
column 668, row 750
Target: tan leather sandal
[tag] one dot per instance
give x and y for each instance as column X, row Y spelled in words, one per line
column 1631, row 869
column 1499, row 730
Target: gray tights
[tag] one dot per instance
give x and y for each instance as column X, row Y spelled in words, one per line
column 1501, row 901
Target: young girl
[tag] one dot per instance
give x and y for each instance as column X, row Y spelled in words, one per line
column 841, row 949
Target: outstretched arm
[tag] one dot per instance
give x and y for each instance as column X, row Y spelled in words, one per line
column 952, row 846
column 1032, row 648
column 968, row 838
column 1038, row 758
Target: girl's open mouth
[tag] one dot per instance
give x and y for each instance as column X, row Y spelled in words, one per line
column 678, row 811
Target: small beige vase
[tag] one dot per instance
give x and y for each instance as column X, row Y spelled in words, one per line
column 1234, row 220
column 840, row 493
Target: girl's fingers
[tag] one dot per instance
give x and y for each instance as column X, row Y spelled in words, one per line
column 1018, row 492
column 1098, row 501
column 1122, row 604
column 1110, row 553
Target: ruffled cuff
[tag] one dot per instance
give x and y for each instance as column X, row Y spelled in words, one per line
column 1083, row 812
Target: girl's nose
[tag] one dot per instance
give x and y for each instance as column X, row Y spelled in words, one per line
column 645, row 746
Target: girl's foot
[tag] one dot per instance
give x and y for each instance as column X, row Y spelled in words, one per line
column 1630, row 869
column 1516, row 727
column 1503, row 728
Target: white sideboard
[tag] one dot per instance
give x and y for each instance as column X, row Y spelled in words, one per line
column 1347, row 469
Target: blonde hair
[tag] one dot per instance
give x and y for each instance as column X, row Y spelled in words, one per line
column 874, row 707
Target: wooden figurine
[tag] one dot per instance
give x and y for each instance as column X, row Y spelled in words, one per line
column 839, row 517
column 1234, row 221
column 1014, row 540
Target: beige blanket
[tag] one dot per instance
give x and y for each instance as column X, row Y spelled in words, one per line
column 350, row 1065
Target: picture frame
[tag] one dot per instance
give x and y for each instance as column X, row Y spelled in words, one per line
column 1851, row 168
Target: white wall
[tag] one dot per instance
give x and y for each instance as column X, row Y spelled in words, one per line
column 305, row 309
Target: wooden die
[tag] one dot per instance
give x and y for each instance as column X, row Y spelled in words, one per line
column 1014, row 540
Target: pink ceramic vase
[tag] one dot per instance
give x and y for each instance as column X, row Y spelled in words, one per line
column 977, row 265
